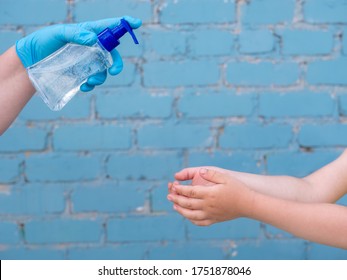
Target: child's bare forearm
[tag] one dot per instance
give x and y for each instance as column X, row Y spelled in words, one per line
column 285, row 187
column 327, row 184
column 15, row 88
column 318, row 222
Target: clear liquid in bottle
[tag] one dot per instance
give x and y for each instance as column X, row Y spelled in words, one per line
column 58, row 77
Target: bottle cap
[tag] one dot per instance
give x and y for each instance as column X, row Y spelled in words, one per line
column 109, row 38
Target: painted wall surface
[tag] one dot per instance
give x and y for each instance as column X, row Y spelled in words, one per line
column 257, row 86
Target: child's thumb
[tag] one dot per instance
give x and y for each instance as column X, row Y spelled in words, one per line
column 213, row 176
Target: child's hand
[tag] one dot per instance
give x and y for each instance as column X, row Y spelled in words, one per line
column 192, row 174
column 223, row 198
column 189, row 174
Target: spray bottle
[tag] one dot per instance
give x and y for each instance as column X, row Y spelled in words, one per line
column 58, row 77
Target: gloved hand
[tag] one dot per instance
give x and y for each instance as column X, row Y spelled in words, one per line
column 42, row 43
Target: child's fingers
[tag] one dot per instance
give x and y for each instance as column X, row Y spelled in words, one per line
column 185, row 202
column 213, row 176
column 186, row 174
column 170, row 186
column 190, row 191
column 196, row 215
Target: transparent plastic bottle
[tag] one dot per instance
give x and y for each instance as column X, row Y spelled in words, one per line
column 58, row 77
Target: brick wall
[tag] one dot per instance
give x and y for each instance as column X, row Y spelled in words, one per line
column 258, row 86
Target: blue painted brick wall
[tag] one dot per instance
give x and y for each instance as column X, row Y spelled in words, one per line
column 255, row 136
column 256, row 41
column 130, row 198
column 105, row 137
column 9, row 169
column 197, row 11
column 306, row 42
column 263, row 74
column 296, row 104
column 59, row 231
column 325, row 11
column 145, row 229
column 259, row 12
column 257, row 86
column 327, row 72
column 33, row 199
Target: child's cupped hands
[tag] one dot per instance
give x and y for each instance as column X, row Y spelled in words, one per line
column 213, row 196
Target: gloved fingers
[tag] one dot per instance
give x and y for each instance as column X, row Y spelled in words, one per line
column 100, row 25
column 86, row 33
column 133, row 22
column 73, row 33
column 86, row 87
column 97, row 79
column 117, row 65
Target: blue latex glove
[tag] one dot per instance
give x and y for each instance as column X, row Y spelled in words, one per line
column 40, row 44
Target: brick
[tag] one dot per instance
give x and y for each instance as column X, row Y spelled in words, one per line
column 325, row 11
column 143, row 166
column 272, row 232
column 183, row 73
column 327, row 72
column 97, row 9
column 298, row 164
column 239, row 229
column 256, row 41
column 33, row 199
column 208, row 42
column 262, row 74
column 123, row 79
column 62, row 167
column 159, row 202
column 108, row 198
column 342, row 99
column 9, row 169
column 127, row 49
column 245, row 162
column 8, row 39
column 122, row 105
column 35, row 12
column 296, row 104
column 322, row 252
column 171, row 136
column 270, row 250
column 225, row 104
column 268, row 11
column 62, row 231
column 119, row 252
column 323, row 135
column 163, row 42
column 21, row 138
column 91, row 137
column 24, row 253
column 197, row 11
column 37, row 110
column 145, row 228
column 187, row 251
column 255, row 136
column 9, row 233
column 306, row 42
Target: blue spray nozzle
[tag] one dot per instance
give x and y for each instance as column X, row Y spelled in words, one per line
column 109, row 38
